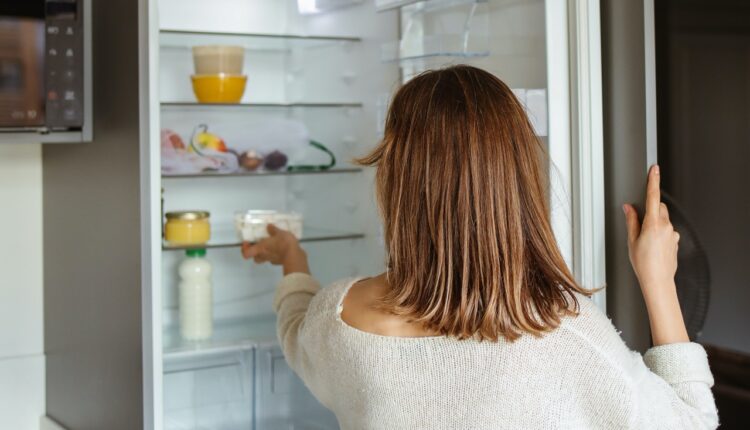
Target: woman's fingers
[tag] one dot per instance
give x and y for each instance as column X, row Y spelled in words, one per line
column 631, row 220
column 253, row 250
column 272, row 229
column 653, row 194
column 271, row 249
column 247, row 250
column 664, row 211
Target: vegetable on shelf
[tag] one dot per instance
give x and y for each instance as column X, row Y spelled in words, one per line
column 205, row 152
column 275, row 160
column 202, row 140
column 250, row 160
column 272, row 146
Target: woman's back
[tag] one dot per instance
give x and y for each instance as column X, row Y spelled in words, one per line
column 481, row 324
column 580, row 375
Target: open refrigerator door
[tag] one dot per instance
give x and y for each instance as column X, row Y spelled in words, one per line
column 295, row 76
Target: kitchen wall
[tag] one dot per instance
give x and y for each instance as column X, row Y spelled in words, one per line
column 21, row 305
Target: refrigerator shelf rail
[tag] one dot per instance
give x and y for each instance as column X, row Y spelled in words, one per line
column 263, row 173
column 185, row 39
column 197, row 105
column 227, row 238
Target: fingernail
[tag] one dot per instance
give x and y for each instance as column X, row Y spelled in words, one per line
column 656, row 169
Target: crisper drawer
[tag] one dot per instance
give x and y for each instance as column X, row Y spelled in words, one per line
column 209, row 391
column 282, row 400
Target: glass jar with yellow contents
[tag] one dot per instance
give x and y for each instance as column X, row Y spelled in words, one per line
column 185, row 228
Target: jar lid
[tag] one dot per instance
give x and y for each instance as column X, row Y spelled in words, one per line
column 188, row 215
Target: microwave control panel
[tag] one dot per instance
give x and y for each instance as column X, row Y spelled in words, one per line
column 64, row 64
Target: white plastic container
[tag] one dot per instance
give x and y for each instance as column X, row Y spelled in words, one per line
column 196, row 296
column 216, row 59
column 252, row 225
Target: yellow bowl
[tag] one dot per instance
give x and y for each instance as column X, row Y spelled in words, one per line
column 219, row 88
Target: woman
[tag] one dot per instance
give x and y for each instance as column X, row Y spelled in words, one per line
column 477, row 323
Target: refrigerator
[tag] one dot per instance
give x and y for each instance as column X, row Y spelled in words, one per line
column 325, row 70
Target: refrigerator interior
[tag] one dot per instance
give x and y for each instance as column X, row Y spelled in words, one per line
column 332, row 71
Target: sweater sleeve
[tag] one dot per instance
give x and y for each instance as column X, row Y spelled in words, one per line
column 669, row 387
column 302, row 327
column 675, row 391
column 293, row 296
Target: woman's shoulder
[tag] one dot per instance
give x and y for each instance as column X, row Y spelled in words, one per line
column 591, row 324
column 328, row 301
column 593, row 331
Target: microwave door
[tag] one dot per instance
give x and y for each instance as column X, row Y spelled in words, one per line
column 22, row 88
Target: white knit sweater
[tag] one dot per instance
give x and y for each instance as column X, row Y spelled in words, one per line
column 580, row 376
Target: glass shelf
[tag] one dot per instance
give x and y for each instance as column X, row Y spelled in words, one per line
column 442, row 45
column 261, row 173
column 229, row 335
column 226, row 237
column 198, row 106
column 183, row 39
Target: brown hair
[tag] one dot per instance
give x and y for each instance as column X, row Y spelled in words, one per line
column 461, row 186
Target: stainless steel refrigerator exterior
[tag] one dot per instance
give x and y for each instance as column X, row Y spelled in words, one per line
column 92, row 244
column 104, row 317
column 629, row 148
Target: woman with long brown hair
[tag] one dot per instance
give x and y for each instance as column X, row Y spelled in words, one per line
column 477, row 322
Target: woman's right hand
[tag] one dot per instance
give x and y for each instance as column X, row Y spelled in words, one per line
column 279, row 248
column 653, row 253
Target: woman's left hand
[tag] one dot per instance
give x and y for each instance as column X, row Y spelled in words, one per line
column 280, row 248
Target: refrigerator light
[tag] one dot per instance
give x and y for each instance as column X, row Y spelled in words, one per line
column 308, row 7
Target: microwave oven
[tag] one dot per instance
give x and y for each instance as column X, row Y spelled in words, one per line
column 45, row 71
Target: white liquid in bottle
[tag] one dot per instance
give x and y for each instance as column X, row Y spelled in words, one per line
column 196, row 296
